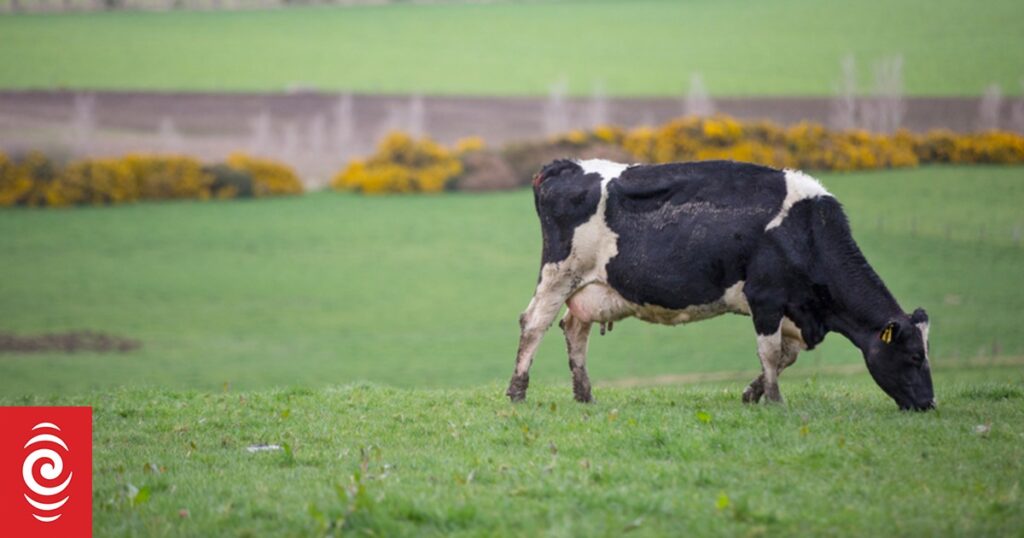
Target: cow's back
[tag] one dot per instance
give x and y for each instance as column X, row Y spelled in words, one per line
column 686, row 230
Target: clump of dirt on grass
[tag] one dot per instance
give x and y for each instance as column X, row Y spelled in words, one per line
column 67, row 342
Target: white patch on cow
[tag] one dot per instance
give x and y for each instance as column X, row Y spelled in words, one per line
column 598, row 302
column 799, row 186
column 593, row 242
column 608, row 170
column 792, row 332
column 769, row 350
column 735, row 299
column 923, row 327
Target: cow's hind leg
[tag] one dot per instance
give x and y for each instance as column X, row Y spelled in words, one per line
column 577, row 334
column 554, row 288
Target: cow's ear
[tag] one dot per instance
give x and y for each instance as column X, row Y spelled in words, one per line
column 919, row 316
column 890, row 333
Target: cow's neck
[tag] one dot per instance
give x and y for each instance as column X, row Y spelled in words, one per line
column 861, row 303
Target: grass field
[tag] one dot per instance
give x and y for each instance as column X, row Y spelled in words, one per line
column 782, row 47
column 837, row 460
column 262, row 322
column 425, row 291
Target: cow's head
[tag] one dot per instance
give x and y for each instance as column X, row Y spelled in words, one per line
column 898, row 360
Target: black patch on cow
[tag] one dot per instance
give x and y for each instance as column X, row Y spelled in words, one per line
column 810, row 270
column 786, row 278
column 687, row 230
column 565, row 198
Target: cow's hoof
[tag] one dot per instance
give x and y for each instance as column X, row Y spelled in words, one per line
column 581, row 386
column 773, row 396
column 517, row 388
column 584, row 398
column 754, row 391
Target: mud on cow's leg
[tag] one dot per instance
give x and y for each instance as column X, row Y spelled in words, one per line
column 552, row 291
column 754, row 390
column 577, row 334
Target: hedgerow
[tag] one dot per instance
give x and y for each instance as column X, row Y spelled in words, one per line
column 36, row 180
column 402, row 163
column 811, row 146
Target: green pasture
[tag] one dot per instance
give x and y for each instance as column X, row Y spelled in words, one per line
column 837, row 460
column 642, row 47
column 425, row 291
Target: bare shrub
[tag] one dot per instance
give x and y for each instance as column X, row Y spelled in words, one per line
column 885, row 110
column 261, row 137
column 486, row 171
column 698, row 102
column 83, row 123
column 344, row 123
column 170, row 140
column 989, row 108
column 555, row 117
column 844, row 106
column 597, row 109
column 416, row 117
column 316, row 135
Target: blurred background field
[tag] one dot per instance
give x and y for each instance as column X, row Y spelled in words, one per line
column 636, row 48
column 329, row 289
column 316, row 86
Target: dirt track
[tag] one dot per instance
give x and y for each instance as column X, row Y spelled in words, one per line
column 317, row 132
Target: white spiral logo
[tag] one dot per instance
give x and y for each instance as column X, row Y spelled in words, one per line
column 51, row 470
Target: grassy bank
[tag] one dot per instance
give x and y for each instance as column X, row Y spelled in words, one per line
column 425, row 291
column 783, row 47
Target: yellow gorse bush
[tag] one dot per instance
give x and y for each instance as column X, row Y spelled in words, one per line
column 13, row 185
column 269, row 178
column 811, row 146
column 35, row 180
column 169, row 177
column 95, row 182
column 401, row 164
column 27, row 181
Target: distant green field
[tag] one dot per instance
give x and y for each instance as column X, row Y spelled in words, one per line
column 837, row 460
column 779, row 47
column 425, row 291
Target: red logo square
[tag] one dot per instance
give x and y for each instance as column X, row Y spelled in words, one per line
column 46, row 471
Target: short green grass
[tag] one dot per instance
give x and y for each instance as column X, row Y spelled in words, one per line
column 425, row 291
column 837, row 460
column 778, row 47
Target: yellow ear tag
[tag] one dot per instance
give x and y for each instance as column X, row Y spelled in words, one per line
column 887, row 335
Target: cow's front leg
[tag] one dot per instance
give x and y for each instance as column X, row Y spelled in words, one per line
column 577, row 334
column 769, row 350
column 790, row 349
column 552, row 291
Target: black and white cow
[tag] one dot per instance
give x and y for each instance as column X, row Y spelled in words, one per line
column 677, row 243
